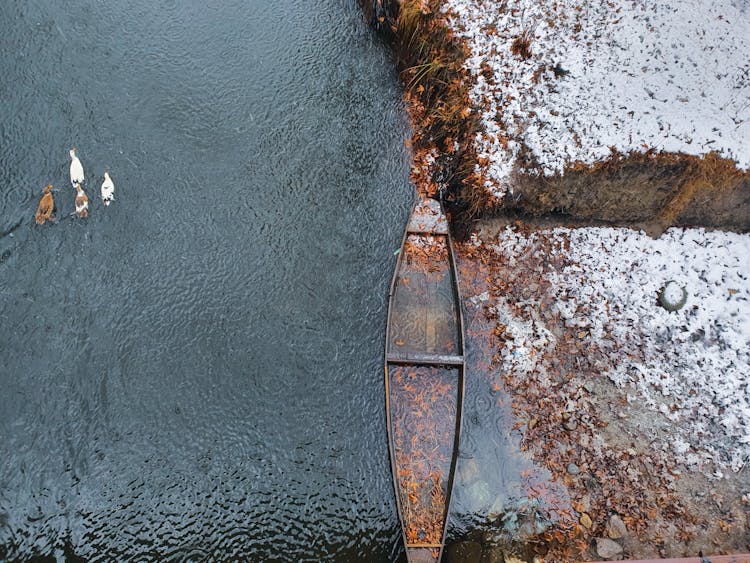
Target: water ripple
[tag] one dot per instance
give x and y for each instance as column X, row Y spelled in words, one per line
column 195, row 373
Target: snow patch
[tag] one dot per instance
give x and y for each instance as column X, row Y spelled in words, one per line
column 691, row 365
column 623, row 75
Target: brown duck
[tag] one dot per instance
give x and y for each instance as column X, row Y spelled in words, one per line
column 46, row 206
column 82, row 202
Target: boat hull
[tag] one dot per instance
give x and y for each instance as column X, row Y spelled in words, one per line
column 424, row 380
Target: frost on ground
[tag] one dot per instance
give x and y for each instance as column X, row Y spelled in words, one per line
column 574, row 314
column 572, row 81
column 692, row 365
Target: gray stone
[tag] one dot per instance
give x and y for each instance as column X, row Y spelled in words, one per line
column 570, row 425
column 468, row 471
column 616, row 528
column 573, row 469
column 464, row 552
column 479, row 497
column 608, row 549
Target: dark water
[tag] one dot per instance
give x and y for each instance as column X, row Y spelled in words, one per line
column 196, row 371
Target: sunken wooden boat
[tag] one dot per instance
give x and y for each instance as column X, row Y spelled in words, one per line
column 424, row 380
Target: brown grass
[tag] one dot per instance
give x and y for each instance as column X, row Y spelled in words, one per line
column 706, row 178
column 521, row 46
column 430, row 59
column 648, row 190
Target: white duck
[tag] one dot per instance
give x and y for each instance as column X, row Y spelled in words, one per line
column 76, row 169
column 82, row 202
column 108, row 189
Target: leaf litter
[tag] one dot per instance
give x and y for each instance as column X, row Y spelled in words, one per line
column 641, row 413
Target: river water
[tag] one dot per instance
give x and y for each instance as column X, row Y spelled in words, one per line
column 196, row 371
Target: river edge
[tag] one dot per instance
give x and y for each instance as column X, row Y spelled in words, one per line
column 677, row 510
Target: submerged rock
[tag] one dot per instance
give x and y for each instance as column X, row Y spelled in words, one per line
column 464, row 552
column 479, row 497
column 468, row 471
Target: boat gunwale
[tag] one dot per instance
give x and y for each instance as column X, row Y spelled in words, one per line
column 461, row 368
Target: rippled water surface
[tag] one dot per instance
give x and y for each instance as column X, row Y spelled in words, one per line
column 197, row 369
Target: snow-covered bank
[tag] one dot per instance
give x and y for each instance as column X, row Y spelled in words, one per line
column 692, row 365
column 640, row 412
column 572, row 81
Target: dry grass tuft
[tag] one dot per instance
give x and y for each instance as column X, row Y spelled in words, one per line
column 521, row 46
column 706, row 178
column 430, row 58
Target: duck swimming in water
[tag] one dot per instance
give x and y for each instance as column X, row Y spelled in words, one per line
column 82, row 202
column 76, row 169
column 108, row 189
column 46, row 206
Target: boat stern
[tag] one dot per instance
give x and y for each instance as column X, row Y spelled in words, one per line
column 423, row 554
